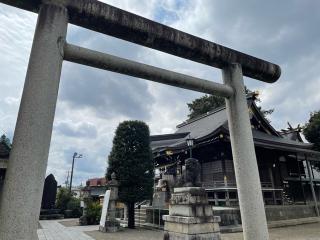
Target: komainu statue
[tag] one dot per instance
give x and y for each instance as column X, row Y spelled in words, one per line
column 191, row 176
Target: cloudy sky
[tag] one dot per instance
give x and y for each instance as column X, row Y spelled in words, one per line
column 92, row 102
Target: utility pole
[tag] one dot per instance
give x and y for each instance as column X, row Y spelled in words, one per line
column 67, row 181
column 75, row 155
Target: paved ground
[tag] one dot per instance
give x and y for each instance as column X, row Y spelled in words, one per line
column 53, row 230
column 300, row 232
column 128, row 234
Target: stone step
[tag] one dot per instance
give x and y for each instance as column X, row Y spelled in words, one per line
column 141, row 213
column 140, row 216
column 273, row 224
column 144, row 215
column 141, row 210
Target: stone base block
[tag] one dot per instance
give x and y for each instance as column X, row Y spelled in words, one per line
column 190, row 210
column 191, row 220
column 189, row 196
column 181, row 236
column 190, row 216
column 197, row 228
column 111, row 226
column 109, row 229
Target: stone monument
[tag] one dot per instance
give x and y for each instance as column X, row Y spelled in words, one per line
column 49, row 193
column 111, row 224
column 48, row 210
column 190, row 215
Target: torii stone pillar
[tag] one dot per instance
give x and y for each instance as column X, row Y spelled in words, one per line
column 252, row 211
column 24, row 181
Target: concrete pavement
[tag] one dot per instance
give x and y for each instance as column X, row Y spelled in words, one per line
column 53, row 230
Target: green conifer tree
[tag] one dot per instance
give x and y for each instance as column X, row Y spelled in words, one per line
column 131, row 160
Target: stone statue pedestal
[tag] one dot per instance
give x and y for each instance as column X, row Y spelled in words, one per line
column 190, row 216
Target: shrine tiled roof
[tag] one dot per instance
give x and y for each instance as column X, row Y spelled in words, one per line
column 216, row 121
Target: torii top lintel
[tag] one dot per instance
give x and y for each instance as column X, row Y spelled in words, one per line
column 103, row 18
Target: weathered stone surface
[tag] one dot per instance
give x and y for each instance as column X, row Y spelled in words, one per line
column 110, row 224
column 190, row 210
column 189, row 196
column 180, row 236
column 191, row 220
column 195, row 228
column 22, row 191
column 190, row 216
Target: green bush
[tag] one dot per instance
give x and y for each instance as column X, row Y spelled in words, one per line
column 74, row 206
column 69, row 205
column 63, row 197
column 93, row 215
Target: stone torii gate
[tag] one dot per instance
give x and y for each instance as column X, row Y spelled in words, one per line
column 23, row 185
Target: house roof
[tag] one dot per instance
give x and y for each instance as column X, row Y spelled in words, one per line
column 216, row 121
column 95, row 182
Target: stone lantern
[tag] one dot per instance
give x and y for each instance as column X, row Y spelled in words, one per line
column 84, row 204
column 111, row 224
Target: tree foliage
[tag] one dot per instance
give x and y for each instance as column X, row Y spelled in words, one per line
column 66, row 201
column 74, row 206
column 4, row 139
column 204, row 104
column 208, row 103
column 131, row 160
column 311, row 130
column 63, row 198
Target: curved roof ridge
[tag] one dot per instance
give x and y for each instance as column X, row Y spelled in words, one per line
column 249, row 96
column 200, row 116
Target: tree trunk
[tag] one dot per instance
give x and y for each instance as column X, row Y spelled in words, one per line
column 131, row 215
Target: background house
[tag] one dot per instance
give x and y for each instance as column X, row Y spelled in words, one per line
column 96, row 187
